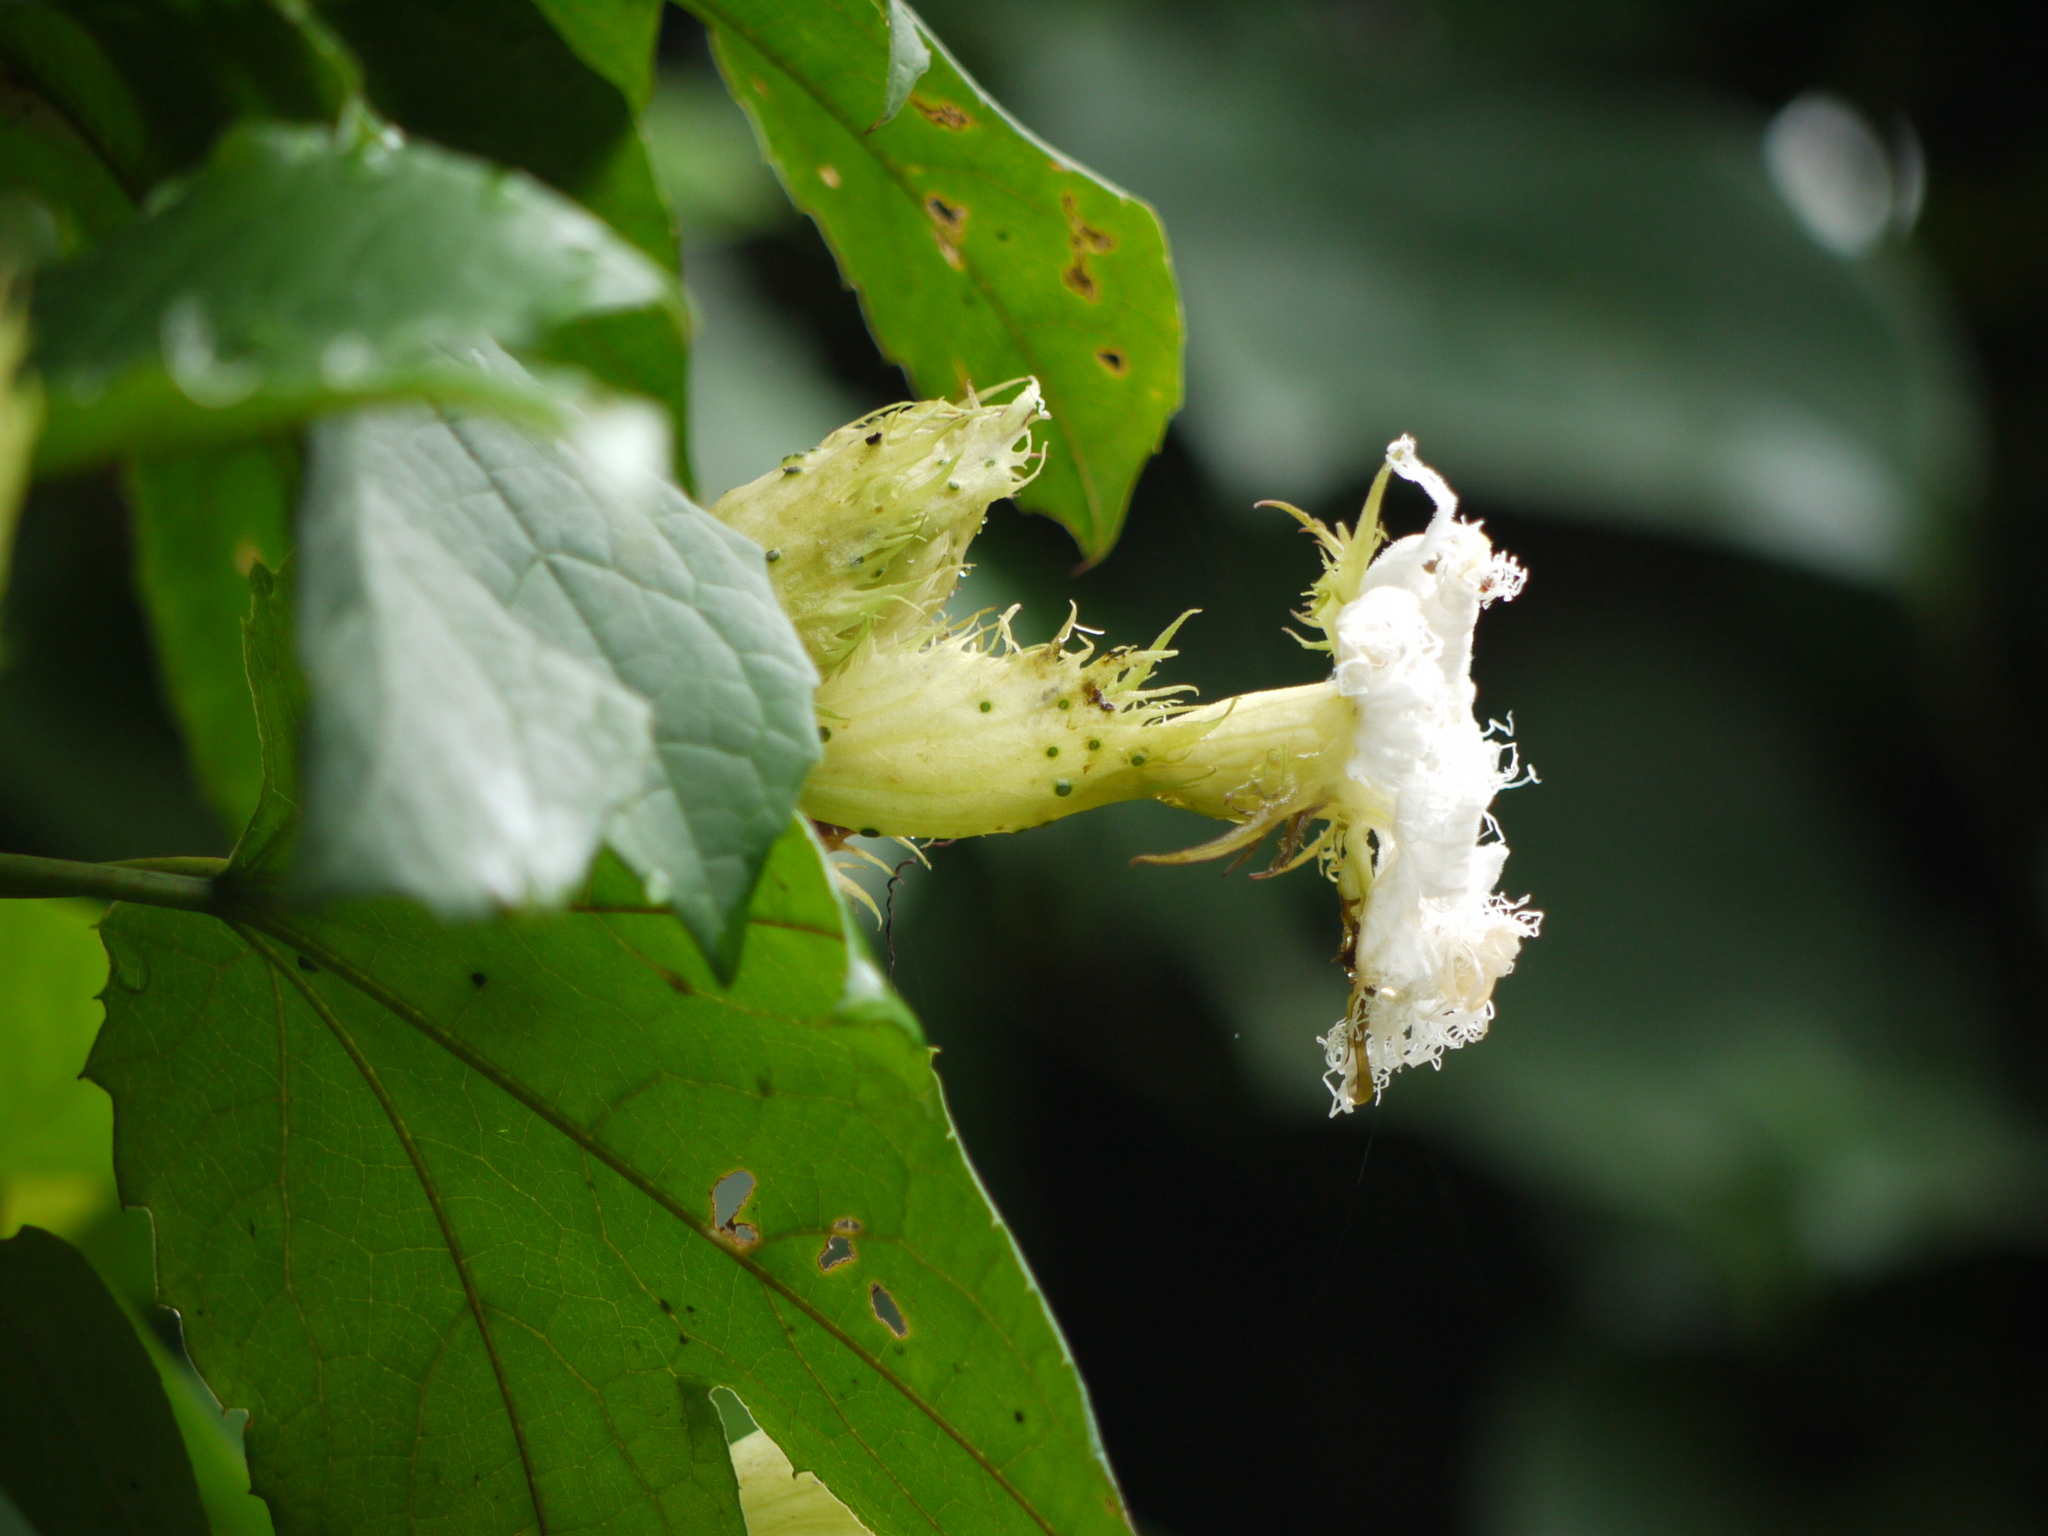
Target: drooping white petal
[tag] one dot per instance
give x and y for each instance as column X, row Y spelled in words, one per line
column 1435, row 934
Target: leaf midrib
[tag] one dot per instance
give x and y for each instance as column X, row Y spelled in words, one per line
column 406, row 1014
column 368, row 1072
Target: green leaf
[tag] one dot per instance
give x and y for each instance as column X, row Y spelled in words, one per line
column 51, row 51
column 979, row 253
column 57, row 1163
column 554, row 90
column 514, row 653
column 43, row 157
column 21, row 418
column 88, row 1446
column 909, row 58
column 494, row 78
column 710, row 168
column 302, row 269
column 202, row 522
column 279, row 691
column 152, row 86
column 459, row 1215
column 615, row 38
column 54, row 1129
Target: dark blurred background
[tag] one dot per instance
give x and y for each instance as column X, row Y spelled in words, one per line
column 1730, row 319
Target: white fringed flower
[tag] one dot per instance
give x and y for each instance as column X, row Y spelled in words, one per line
column 937, row 730
column 1435, row 934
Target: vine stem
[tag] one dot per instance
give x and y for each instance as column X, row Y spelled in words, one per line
column 25, row 875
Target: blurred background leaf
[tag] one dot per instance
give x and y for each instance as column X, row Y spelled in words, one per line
column 55, row 1131
column 57, row 1173
column 1586, row 294
column 579, row 72
column 304, row 270
column 89, row 1443
column 202, row 522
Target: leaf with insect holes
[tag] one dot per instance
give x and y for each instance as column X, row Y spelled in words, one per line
column 466, row 1215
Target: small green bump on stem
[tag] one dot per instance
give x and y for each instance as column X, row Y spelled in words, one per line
column 1137, row 759
column 1062, row 786
column 870, row 832
column 824, row 733
column 1094, row 746
column 986, row 706
column 1066, row 703
column 1052, row 751
column 774, row 555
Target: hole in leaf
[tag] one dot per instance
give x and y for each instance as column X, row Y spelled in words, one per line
column 837, row 1251
column 887, row 1313
column 729, row 1194
column 774, row 1496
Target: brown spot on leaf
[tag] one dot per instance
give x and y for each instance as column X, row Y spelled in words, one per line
column 1114, row 361
column 1084, row 240
column 1087, row 240
column 949, row 223
column 944, row 114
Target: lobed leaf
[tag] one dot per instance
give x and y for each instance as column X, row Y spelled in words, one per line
column 469, row 1218
column 514, row 655
column 980, row 254
column 301, row 269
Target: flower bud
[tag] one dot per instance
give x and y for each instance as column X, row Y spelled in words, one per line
column 865, row 533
